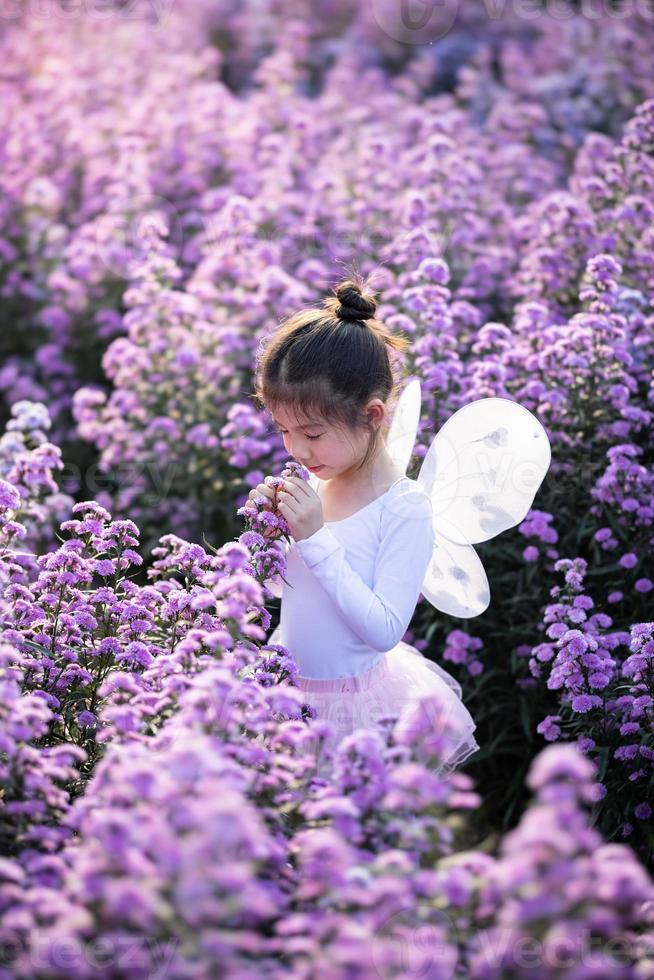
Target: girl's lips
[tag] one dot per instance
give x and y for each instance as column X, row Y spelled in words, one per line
column 314, row 469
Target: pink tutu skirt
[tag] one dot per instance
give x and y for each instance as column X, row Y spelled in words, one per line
column 403, row 684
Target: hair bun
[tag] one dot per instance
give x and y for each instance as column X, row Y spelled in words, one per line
column 354, row 305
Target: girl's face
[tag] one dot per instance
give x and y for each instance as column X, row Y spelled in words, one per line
column 325, row 449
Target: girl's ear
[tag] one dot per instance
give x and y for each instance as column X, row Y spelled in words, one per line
column 375, row 411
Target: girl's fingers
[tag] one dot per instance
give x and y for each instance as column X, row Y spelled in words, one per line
column 287, row 497
column 294, row 489
column 293, row 493
column 263, row 490
column 302, row 485
column 254, row 498
column 287, row 505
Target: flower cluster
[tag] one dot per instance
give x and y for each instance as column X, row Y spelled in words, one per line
column 606, row 697
column 34, row 776
column 266, row 526
column 461, row 648
column 30, row 501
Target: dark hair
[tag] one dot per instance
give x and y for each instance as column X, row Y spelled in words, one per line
column 331, row 360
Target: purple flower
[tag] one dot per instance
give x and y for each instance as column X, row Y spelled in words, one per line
column 104, row 567
column 91, row 508
column 9, row 496
column 549, row 728
column 251, row 539
column 559, row 762
column 585, row 702
column 137, row 652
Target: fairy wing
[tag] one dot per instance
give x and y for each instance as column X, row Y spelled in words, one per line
column 403, row 430
column 482, row 472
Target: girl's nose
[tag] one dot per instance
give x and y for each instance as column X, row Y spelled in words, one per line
column 297, row 451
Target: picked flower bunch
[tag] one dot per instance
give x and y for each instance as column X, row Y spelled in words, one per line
column 265, row 523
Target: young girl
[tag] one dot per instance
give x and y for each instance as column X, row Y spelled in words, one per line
column 362, row 535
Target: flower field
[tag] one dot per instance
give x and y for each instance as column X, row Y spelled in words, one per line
column 175, row 179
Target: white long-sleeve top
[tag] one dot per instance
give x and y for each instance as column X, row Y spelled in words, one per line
column 353, row 584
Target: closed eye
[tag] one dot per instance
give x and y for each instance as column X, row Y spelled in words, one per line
column 283, row 432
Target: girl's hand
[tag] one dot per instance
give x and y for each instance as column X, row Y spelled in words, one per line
column 263, row 490
column 301, row 507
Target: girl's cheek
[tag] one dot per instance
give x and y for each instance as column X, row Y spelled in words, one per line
column 290, row 449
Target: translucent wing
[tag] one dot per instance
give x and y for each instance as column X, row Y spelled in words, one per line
column 482, row 472
column 455, row 581
column 404, row 428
